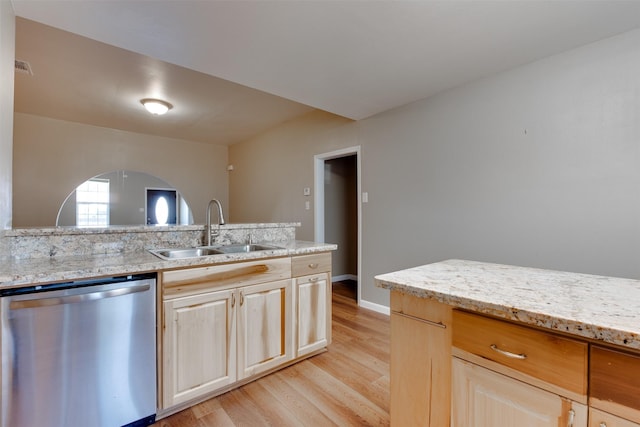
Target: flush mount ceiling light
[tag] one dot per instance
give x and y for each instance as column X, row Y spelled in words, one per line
column 156, row 106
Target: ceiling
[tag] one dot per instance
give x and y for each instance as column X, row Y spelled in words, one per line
column 80, row 80
column 351, row 58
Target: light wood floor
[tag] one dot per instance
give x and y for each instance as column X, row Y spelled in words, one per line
column 346, row 386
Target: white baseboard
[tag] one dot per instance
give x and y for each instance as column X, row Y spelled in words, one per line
column 344, row 277
column 379, row 308
column 375, row 307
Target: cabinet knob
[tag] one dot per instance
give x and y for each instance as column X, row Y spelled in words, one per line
column 603, row 424
column 572, row 417
column 313, row 265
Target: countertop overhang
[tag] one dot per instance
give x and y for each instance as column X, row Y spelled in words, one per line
column 600, row 308
column 33, row 271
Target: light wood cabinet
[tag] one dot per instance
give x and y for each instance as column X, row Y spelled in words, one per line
column 599, row 418
column 462, row 368
column 195, row 281
column 264, row 327
column 507, row 374
column 304, row 265
column 223, row 324
column 550, row 358
column 312, row 313
column 483, row 398
column 614, row 380
column 199, row 345
column 420, row 362
column 312, row 308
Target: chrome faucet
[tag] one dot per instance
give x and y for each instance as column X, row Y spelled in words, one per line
column 209, row 231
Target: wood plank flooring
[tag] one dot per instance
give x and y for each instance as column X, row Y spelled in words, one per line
column 346, row 386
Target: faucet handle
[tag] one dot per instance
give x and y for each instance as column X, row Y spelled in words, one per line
column 250, row 239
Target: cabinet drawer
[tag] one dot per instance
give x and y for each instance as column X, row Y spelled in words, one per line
column 431, row 311
column 180, row 283
column 603, row 419
column 310, row 264
column 615, row 381
column 548, row 357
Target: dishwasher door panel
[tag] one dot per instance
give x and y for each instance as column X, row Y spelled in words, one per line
column 80, row 357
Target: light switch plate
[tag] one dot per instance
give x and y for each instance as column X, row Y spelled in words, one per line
column 307, row 191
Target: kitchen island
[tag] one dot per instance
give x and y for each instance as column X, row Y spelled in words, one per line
column 506, row 341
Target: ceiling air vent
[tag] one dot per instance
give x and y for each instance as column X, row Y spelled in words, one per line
column 23, row 67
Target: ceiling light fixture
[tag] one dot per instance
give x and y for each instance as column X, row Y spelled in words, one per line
column 156, row 106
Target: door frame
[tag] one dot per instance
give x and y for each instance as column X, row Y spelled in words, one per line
column 319, row 160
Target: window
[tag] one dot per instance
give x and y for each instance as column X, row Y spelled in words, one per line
column 92, row 203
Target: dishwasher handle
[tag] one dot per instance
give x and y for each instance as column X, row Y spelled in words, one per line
column 82, row 297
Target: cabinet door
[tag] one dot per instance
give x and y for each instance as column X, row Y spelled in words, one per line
column 420, row 362
column 199, row 345
column 264, row 327
column 483, row 398
column 312, row 293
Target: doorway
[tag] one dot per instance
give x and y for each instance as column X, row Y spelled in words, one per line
column 338, row 216
column 161, row 206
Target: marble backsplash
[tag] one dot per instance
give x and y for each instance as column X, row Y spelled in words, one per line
column 72, row 241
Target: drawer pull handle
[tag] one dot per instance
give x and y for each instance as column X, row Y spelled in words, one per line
column 428, row 322
column 313, row 265
column 508, row 353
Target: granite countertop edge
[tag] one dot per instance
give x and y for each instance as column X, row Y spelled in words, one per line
column 599, row 308
column 35, row 271
column 118, row 229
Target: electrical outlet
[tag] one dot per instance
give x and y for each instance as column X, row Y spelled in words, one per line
column 306, row 191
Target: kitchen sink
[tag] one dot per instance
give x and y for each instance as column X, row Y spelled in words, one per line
column 244, row 248
column 179, row 253
column 185, row 253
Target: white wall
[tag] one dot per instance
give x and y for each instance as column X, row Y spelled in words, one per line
column 52, row 157
column 7, row 57
column 272, row 170
column 538, row 166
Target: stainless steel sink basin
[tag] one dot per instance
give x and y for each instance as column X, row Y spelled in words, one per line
column 244, row 248
column 179, row 253
column 185, row 253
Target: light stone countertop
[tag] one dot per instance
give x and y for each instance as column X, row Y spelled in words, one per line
column 113, row 229
column 602, row 308
column 34, row 271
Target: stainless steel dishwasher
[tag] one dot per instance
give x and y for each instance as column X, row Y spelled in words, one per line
column 79, row 354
